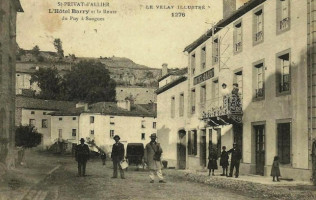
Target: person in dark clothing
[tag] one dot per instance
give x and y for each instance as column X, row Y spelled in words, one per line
column 224, row 161
column 117, row 156
column 212, row 161
column 235, row 89
column 103, row 157
column 82, row 155
column 275, row 170
column 235, row 161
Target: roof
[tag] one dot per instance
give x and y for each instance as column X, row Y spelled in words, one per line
column 224, row 22
column 41, row 104
column 18, row 6
column 109, row 108
column 171, row 84
column 174, row 73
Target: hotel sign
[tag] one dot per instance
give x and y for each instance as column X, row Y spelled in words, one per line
column 203, row 77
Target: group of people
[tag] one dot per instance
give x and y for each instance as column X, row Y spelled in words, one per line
column 235, row 161
column 152, row 158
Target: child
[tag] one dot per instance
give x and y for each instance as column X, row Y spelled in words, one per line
column 224, row 161
column 103, row 157
column 275, row 170
column 212, row 163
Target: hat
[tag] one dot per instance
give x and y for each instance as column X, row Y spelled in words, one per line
column 153, row 135
column 116, row 136
column 82, row 139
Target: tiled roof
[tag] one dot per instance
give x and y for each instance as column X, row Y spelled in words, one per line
column 175, row 73
column 109, row 108
column 41, row 104
column 224, row 22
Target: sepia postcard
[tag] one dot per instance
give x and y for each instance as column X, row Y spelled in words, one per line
column 157, row 99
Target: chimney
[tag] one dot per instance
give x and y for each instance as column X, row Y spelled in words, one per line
column 124, row 104
column 229, row 6
column 164, row 69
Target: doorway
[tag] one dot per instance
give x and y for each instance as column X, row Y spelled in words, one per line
column 182, row 149
column 259, row 136
column 203, row 148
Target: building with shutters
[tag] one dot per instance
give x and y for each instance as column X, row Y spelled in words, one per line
column 265, row 47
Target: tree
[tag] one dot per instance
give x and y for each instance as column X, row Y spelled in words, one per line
column 35, row 51
column 49, row 82
column 89, row 81
column 59, row 47
column 26, row 137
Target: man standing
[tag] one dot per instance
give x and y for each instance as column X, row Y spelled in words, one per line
column 235, row 161
column 117, row 156
column 152, row 158
column 82, row 155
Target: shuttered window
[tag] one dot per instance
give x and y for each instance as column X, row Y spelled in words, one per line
column 284, row 143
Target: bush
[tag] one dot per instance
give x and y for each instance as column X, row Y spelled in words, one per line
column 27, row 137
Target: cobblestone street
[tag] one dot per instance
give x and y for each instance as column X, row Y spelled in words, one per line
column 64, row 184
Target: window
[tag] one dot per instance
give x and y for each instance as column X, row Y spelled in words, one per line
column 239, row 80
column 32, row 112
column 143, row 124
column 258, row 26
column 203, row 57
column 284, row 143
column 215, row 52
column 203, row 94
column 192, row 143
column 259, row 81
column 193, row 101
column 112, row 121
column 91, row 119
column 154, row 124
column 74, row 132
column 74, row 118
column 44, row 123
column 193, row 64
column 92, row 132
column 32, row 122
column 111, row 133
column 215, row 93
column 284, row 73
column 238, row 37
column 181, row 105
column 60, row 118
column 172, row 107
column 143, row 136
column 283, row 15
column 44, row 113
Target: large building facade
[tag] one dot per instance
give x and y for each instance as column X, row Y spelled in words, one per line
column 8, row 13
column 266, row 48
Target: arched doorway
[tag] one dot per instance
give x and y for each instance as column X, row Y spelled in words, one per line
column 182, row 149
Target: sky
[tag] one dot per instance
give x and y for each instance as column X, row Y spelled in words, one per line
column 149, row 37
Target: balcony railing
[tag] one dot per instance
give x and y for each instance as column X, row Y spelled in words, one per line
column 225, row 105
column 284, row 23
column 284, row 87
column 259, row 36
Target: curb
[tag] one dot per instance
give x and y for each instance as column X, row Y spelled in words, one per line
column 38, row 182
column 253, row 190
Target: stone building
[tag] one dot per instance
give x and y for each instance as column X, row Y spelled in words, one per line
column 8, row 13
column 266, row 48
